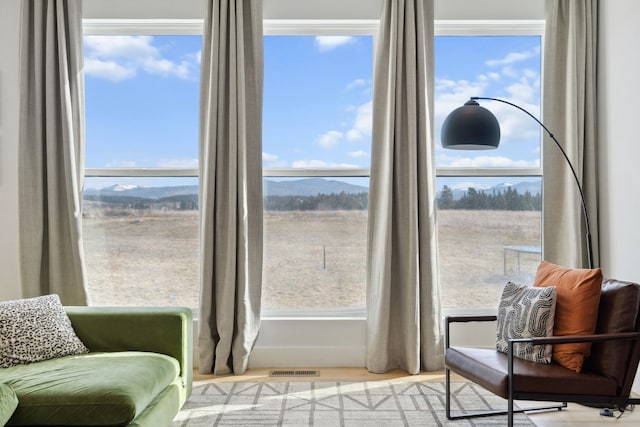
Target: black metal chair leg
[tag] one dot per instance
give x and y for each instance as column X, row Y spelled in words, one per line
column 509, row 412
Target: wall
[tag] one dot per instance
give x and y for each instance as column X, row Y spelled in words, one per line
column 316, row 9
column 307, row 342
column 9, row 96
column 618, row 91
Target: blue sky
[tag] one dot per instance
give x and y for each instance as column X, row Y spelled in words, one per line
column 142, row 99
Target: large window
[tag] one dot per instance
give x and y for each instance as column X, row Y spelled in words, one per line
column 489, row 202
column 141, row 187
column 316, row 153
column 140, row 200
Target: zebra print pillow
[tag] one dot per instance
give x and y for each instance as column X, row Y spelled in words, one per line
column 526, row 312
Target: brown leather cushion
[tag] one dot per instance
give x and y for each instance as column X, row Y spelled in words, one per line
column 618, row 312
column 488, row 368
column 576, row 308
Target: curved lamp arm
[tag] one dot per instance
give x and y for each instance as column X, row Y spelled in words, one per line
column 573, row 171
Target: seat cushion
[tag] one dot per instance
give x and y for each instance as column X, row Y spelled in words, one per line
column 488, row 368
column 576, row 308
column 90, row 389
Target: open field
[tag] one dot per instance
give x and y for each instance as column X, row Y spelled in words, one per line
column 313, row 259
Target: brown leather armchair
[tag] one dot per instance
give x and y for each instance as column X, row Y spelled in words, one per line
column 605, row 380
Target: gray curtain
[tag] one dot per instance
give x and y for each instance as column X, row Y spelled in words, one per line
column 51, row 150
column 404, row 327
column 569, row 109
column 230, row 184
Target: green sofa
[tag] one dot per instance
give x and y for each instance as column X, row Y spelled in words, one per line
column 138, row 372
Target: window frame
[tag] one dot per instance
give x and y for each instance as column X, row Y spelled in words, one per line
column 534, row 27
column 138, row 27
column 492, row 28
column 318, row 27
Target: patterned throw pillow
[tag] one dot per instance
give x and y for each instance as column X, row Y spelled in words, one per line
column 526, row 312
column 36, row 329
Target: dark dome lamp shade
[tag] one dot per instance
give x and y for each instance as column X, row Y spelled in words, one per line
column 472, row 127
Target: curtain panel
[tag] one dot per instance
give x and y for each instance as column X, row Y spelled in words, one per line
column 570, row 111
column 230, row 184
column 51, row 150
column 403, row 299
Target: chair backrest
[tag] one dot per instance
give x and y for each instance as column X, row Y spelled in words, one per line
column 619, row 311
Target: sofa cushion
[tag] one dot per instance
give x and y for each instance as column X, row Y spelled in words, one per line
column 526, row 312
column 576, row 308
column 90, row 389
column 8, row 403
column 36, row 329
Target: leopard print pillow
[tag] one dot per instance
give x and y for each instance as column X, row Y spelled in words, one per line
column 36, row 329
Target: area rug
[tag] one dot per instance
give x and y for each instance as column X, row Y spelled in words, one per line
column 371, row 403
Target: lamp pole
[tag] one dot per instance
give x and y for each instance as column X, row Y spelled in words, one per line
column 573, row 171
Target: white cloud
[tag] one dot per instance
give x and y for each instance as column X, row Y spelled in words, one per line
column 362, row 123
column 510, row 71
column 326, row 43
column 489, row 76
column 356, row 83
column 330, row 139
column 178, row 163
column 513, row 57
column 273, row 161
column 109, row 70
column 318, row 164
column 131, row 47
column 121, row 164
column 166, row 68
column 522, row 90
column 515, row 123
column 358, row 154
column 269, row 157
column 488, row 162
column 118, row 58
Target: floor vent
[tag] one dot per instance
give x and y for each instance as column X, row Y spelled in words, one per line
column 294, row 373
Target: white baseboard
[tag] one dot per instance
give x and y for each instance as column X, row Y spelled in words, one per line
column 307, row 357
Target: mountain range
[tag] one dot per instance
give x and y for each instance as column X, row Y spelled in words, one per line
column 298, row 187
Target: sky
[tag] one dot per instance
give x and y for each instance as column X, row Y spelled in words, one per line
column 142, row 100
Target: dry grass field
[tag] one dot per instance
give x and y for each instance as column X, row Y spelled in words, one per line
column 313, row 259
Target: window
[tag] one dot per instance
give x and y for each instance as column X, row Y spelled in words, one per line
column 140, row 200
column 316, row 154
column 489, row 202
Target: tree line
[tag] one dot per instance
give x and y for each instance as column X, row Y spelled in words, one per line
column 182, row 202
column 509, row 200
column 472, row 199
column 319, row 202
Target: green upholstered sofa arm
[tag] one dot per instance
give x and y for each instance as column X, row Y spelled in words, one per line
column 165, row 330
column 8, row 403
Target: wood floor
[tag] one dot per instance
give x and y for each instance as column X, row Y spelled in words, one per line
column 574, row 415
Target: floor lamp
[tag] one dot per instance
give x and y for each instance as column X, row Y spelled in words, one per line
column 472, row 127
